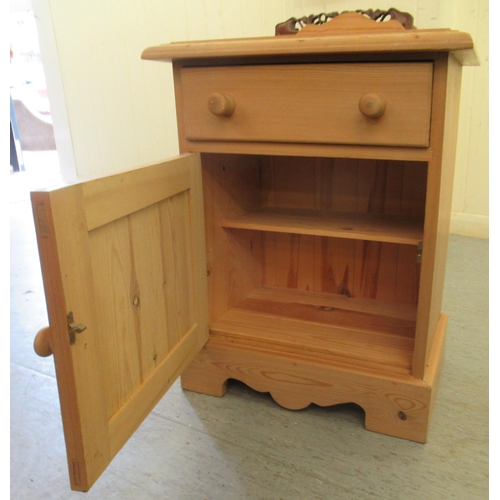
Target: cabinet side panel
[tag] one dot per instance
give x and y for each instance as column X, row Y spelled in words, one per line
column 446, row 97
column 176, row 70
column 231, row 185
column 407, row 275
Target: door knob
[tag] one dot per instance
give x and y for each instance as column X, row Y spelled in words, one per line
column 42, row 342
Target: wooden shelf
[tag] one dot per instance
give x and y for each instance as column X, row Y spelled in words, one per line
column 365, row 334
column 359, row 226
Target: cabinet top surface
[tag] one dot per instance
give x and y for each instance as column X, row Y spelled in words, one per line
column 328, row 40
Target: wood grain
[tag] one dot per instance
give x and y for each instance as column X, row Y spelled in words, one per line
column 137, row 279
column 363, row 191
column 329, row 301
column 118, row 195
column 287, row 203
column 265, row 95
column 347, row 313
column 411, row 40
column 446, row 92
column 307, row 150
column 370, row 227
column 394, row 403
column 231, row 185
column 67, row 274
column 368, row 343
column 321, row 329
column 112, row 272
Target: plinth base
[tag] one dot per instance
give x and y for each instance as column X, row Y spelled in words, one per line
column 398, row 405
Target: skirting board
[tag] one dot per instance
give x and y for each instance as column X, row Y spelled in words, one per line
column 476, row 226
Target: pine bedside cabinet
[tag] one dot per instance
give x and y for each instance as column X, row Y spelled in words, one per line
column 298, row 244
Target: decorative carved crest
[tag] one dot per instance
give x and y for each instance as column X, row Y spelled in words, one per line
column 294, row 25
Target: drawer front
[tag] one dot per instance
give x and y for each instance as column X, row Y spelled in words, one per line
column 309, row 103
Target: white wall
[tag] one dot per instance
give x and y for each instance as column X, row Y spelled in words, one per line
column 470, row 209
column 117, row 112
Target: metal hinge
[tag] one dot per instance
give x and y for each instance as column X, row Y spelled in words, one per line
column 420, row 246
column 74, row 328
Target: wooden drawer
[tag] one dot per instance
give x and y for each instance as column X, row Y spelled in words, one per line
column 309, row 103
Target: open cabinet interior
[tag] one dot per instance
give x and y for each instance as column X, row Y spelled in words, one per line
column 318, row 256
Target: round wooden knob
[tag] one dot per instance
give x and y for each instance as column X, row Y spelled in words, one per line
column 42, row 342
column 221, row 104
column 372, row 105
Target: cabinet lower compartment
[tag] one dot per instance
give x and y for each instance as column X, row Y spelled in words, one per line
column 395, row 403
column 314, row 273
column 362, row 333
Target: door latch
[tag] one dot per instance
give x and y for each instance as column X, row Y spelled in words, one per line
column 74, row 328
column 420, row 247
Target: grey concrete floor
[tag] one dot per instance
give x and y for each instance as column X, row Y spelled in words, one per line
column 244, row 446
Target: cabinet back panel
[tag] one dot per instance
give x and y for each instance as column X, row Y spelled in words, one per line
column 356, row 268
column 369, row 269
column 345, row 185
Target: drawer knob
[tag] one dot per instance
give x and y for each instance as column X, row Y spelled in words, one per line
column 372, row 105
column 221, row 104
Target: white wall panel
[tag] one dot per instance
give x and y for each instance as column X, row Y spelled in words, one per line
column 470, row 191
column 53, row 77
